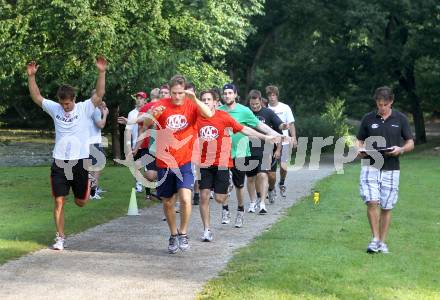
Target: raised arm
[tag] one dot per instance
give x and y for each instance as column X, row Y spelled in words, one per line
column 32, row 68
column 203, row 108
column 101, row 65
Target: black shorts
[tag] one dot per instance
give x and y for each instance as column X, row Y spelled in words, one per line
column 214, row 178
column 61, row 183
column 262, row 166
column 238, row 176
column 148, row 160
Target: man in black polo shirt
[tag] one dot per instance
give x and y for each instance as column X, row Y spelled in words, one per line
column 262, row 154
column 380, row 138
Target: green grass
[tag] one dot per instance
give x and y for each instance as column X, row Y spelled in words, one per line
column 319, row 253
column 26, row 206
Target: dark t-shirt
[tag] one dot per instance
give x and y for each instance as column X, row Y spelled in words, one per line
column 395, row 129
column 268, row 117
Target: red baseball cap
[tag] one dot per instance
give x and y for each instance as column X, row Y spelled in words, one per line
column 142, row 95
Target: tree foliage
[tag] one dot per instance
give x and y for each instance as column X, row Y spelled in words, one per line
column 146, row 42
column 316, row 50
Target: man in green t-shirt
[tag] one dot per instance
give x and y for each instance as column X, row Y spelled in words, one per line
column 240, row 147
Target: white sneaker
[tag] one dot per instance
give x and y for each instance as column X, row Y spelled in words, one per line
column 96, row 197
column 138, row 187
column 383, row 248
column 283, row 190
column 177, row 207
column 226, row 216
column 272, row 195
column 373, row 246
column 207, row 236
column 239, row 219
column 211, row 195
column 252, row 207
column 59, row 242
column 262, row 210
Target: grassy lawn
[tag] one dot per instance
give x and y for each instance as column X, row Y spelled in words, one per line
column 319, row 253
column 26, row 205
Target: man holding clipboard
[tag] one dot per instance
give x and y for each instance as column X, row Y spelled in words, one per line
column 384, row 135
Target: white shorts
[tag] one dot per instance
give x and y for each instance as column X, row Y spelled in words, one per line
column 377, row 185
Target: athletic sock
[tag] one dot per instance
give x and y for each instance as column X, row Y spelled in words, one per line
column 258, row 195
column 241, row 208
column 281, row 181
column 226, row 207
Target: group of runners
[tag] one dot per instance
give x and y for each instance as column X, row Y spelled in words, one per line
column 195, row 148
column 198, row 149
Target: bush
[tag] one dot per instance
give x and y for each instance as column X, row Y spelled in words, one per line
column 332, row 123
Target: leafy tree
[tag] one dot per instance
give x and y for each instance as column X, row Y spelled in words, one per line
column 145, row 44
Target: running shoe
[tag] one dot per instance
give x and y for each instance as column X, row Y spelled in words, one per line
column 96, row 197
column 183, row 242
column 272, row 195
column 262, row 210
column 226, row 216
column 383, row 248
column 283, row 191
column 373, row 246
column 252, row 206
column 239, row 219
column 173, row 244
column 59, row 242
column 207, row 236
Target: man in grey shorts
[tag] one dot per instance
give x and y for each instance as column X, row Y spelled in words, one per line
column 380, row 138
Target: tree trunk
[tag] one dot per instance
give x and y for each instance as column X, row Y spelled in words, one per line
column 408, row 82
column 419, row 121
column 250, row 72
column 116, row 144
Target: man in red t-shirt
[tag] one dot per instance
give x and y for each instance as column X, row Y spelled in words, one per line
column 175, row 118
column 215, row 155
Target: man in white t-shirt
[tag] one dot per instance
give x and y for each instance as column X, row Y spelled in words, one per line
column 284, row 112
column 72, row 126
column 140, row 99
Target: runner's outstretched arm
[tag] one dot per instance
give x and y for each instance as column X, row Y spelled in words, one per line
column 101, row 65
column 32, row 68
column 266, row 129
column 253, row 133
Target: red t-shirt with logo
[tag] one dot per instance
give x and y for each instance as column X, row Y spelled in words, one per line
column 214, row 138
column 176, row 133
column 142, row 110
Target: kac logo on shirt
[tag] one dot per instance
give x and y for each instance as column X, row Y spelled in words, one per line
column 208, row 133
column 176, row 122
